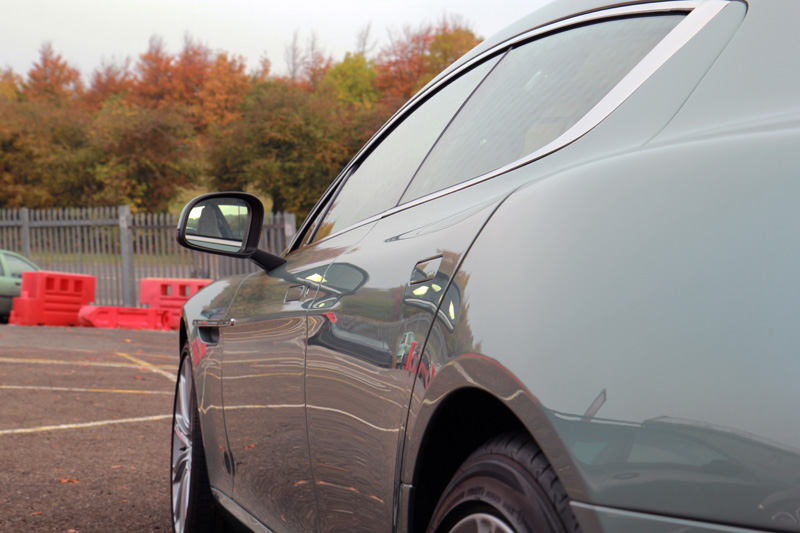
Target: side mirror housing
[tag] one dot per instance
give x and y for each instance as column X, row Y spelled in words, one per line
column 225, row 223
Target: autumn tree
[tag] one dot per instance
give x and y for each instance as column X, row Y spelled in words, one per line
column 401, row 63
column 290, row 144
column 144, row 156
column 52, row 78
column 112, row 78
column 190, row 74
column 41, row 146
column 222, row 94
column 154, row 76
column 415, row 57
column 451, row 40
column 10, row 84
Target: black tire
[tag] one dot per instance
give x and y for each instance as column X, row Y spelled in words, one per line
column 193, row 507
column 505, row 485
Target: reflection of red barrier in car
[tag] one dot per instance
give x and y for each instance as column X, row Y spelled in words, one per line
column 51, row 298
column 103, row 316
column 169, row 294
column 198, row 351
column 411, row 365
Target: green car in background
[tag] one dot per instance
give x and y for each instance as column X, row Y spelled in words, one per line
column 11, row 268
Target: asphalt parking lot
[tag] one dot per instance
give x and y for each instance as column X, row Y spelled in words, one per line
column 85, row 429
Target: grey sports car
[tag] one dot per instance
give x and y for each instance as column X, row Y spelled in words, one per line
column 558, row 291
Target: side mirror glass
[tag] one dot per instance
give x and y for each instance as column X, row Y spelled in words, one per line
column 218, row 224
column 223, row 223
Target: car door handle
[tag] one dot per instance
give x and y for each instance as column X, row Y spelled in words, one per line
column 208, row 330
column 425, row 270
column 202, row 323
column 296, row 293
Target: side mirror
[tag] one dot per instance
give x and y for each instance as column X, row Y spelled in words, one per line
column 226, row 223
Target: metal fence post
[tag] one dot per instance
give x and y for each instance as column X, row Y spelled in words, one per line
column 126, row 247
column 25, row 231
column 289, row 226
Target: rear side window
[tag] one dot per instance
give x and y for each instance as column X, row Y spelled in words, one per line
column 381, row 177
column 536, row 93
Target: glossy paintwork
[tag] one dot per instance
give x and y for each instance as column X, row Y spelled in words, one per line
column 667, row 278
column 633, row 303
column 210, row 303
column 264, row 388
column 366, row 330
column 596, row 519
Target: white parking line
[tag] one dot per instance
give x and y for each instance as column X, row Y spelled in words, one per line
column 149, row 366
column 84, row 425
column 23, row 360
column 69, row 389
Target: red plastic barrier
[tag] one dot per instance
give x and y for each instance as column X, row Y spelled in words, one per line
column 169, row 293
column 51, row 298
column 102, row 316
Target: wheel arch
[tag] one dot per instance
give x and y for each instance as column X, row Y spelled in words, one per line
column 463, row 422
column 183, row 338
column 471, row 400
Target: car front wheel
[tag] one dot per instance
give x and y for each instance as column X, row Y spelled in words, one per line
column 193, row 507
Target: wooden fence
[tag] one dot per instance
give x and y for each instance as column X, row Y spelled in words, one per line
column 120, row 248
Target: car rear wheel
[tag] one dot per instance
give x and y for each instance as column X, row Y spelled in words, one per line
column 193, row 507
column 506, row 486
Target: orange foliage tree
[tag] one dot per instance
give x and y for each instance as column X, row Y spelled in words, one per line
column 226, row 86
column 153, row 85
column 52, row 78
column 110, row 79
column 141, row 131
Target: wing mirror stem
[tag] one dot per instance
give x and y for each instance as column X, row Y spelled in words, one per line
column 266, row 260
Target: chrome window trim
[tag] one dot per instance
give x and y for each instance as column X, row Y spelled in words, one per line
column 700, row 13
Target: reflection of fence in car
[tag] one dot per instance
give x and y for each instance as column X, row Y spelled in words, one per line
column 120, row 248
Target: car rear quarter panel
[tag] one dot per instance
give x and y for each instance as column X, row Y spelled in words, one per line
column 647, row 305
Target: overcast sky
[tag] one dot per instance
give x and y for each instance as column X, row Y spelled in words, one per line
column 85, row 32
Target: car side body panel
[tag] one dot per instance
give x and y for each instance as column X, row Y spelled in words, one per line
column 645, row 282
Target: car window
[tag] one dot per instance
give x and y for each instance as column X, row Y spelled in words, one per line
column 17, row 265
column 377, row 181
column 538, row 91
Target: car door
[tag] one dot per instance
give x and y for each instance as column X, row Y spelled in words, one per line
column 367, row 327
column 263, row 384
column 263, row 387
column 366, row 324
column 365, row 338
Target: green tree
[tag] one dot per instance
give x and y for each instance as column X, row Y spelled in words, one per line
column 10, row 84
column 290, row 144
column 353, row 80
column 142, row 156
